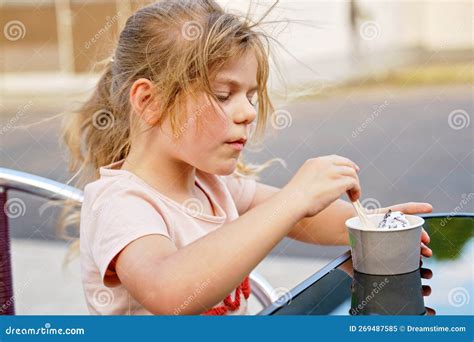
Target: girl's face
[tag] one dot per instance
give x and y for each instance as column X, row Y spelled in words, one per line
column 208, row 128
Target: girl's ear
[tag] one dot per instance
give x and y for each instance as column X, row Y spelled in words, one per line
column 144, row 101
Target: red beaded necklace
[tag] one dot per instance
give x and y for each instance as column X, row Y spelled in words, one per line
column 229, row 304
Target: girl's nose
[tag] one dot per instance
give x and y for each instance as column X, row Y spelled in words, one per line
column 245, row 114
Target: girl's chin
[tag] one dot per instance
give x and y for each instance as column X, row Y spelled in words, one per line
column 226, row 168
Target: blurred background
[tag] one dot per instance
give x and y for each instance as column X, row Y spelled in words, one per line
column 388, row 84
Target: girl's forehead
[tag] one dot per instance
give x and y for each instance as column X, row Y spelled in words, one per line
column 240, row 62
column 239, row 71
column 237, row 83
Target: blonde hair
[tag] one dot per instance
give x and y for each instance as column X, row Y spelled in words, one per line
column 178, row 45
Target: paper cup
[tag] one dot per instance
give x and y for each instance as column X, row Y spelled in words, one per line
column 385, row 251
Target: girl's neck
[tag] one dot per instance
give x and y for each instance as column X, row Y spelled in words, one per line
column 172, row 178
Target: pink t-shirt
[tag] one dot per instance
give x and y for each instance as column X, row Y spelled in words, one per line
column 120, row 207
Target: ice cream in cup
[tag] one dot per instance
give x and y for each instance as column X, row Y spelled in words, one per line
column 393, row 247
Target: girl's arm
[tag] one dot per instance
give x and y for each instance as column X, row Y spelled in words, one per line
column 193, row 279
column 328, row 226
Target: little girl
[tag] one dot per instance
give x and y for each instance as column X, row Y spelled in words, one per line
column 171, row 222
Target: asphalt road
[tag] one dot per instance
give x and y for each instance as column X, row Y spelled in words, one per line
column 412, row 144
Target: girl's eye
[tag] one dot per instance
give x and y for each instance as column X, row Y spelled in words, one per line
column 253, row 100
column 222, row 98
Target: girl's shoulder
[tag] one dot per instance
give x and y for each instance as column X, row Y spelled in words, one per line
column 113, row 184
column 106, row 187
column 120, row 192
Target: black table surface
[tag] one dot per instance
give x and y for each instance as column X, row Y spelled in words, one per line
column 443, row 284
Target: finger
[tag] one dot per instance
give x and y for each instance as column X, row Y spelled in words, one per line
column 412, row 208
column 343, row 161
column 351, row 187
column 426, row 251
column 353, row 195
column 348, row 185
column 425, row 238
column 346, row 171
column 430, row 311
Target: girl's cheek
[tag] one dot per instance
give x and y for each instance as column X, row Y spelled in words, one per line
column 205, row 129
column 217, row 124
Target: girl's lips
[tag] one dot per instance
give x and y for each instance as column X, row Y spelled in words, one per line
column 236, row 145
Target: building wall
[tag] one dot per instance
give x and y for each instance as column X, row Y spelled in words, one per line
column 319, row 30
column 30, row 40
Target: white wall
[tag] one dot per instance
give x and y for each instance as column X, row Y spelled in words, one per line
column 320, row 47
column 435, row 24
column 448, row 25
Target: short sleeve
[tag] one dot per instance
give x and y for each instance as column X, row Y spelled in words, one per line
column 118, row 219
column 242, row 190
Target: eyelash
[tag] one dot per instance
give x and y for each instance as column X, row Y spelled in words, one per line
column 225, row 98
column 222, row 98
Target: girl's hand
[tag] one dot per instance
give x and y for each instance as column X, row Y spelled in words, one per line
column 321, row 181
column 412, row 208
